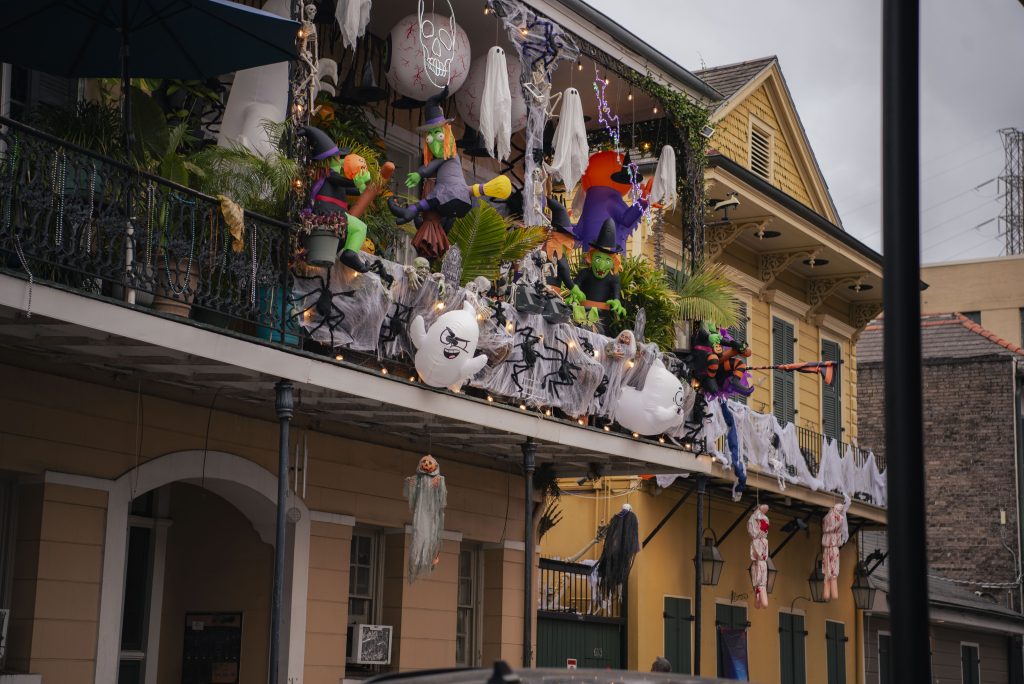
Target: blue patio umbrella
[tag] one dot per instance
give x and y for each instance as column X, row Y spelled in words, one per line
column 183, row 39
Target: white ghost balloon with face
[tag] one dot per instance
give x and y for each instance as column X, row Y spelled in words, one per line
column 445, row 351
column 662, row 404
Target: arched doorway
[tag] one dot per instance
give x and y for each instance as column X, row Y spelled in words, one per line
column 226, row 506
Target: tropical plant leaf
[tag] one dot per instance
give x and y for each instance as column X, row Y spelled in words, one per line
column 708, row 295
column 256, row 182
column 520, row 241
column 480, row 235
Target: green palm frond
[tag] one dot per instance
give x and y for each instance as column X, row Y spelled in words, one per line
column 486, row 239
column 259, row 183
column 645, row 286
column 707, row 295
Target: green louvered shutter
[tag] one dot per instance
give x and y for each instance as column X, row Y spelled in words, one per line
column 831, row 408
column 791, row 649
column 970, row 670
column 783, row 382
column 677, row 633
column 884, row 659
column 835, row 642
column 739, row 332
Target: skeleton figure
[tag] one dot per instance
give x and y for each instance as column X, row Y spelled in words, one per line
column 834, row 533
column 418, row 273
column 757, row 527
column 428, row 497
column 438, row 44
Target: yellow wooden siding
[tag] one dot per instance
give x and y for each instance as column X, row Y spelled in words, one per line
column 808, row 394
column 759, row 338
column 732, row 138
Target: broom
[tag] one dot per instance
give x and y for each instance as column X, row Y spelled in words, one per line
column 499, row 187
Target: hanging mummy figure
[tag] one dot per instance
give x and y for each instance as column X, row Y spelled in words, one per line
column 757, row 527
column 834, row 533
column 428, row 497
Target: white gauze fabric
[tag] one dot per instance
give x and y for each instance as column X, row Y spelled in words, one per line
column 352, row 16
column 572, row 154
column 664, row 190
column 496, row 106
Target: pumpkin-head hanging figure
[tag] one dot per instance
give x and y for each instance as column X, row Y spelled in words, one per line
column 450, row 197
column 428, row 497
column 595, row 296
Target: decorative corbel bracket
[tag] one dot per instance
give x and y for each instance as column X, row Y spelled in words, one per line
column 772, row 264
column 862, row 313
column 820, row 289
column 718, row 236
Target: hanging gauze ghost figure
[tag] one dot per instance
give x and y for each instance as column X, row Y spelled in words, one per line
column 572, row 152
column 664, row 190
column 757, row 527
column 660, row 405
column 428, row 497
column 444, row 353
column 621, row 544
column 496, row 106
column 834, row 533
column 352, row 16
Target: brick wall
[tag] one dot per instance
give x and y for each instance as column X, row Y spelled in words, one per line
column 969, row 452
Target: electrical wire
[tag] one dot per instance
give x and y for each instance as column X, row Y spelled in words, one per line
column 625, row 492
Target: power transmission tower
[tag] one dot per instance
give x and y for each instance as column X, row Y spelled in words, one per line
column 1012, row 179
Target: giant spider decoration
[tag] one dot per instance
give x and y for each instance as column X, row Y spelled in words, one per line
column 529, row 356
column 396, row 324
column 565, row 374
column 321, row 302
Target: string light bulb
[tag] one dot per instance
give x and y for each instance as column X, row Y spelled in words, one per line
column 412, row 378
column 636, row 435
column 661, row 439
column 655, row 109
column 579, row 66
column 607, row 428
column 581, row 421
column 487, row 10
column 339, row 357
column 439, row 306
column 522, row 407
column 490, row 398
column 630, row 96
column 383, row 371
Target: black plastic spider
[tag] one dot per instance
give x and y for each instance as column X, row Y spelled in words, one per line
column 321, row 302
column 396, row 324
column 565, row 374
column 529, row 357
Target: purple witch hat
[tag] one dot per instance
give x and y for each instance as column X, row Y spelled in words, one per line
column 433, row 115
column 320, row 144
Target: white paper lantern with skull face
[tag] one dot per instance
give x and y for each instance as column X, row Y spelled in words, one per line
column 467, row 102
column 445, row 352
column 660, row 405
column 425, row 53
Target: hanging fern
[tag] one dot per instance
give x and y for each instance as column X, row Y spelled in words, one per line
column 487, row 239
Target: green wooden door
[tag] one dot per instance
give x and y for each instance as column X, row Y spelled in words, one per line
column 731, row 617
column 783, row 383
column 591, row 644
column 792, row 664
column 835, row 642
column 677, row 633
column 884, row 659
column 831, row 405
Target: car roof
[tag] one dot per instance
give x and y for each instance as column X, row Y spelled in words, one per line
column 540, row 676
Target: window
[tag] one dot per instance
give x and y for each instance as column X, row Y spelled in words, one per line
column 25, row 89
column 974, row 316
column 362, row 572
column 884, row 658
column 137, row 589
column 760, row 151
column 739, row 332
column 831, row 406
column 783, row 384
column 731, row 630
column 677, row 633
column 835, row 643
column 466, row 618
column 792, row 664
column 970, row 664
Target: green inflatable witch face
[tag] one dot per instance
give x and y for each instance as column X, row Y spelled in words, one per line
column 601, row 264
column 435, row 141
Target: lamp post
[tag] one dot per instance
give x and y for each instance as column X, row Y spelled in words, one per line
column 863, row 592
column 711, row 562
column 772, row 574
column 816, row 582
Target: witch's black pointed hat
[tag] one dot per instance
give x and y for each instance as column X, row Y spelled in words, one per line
column 348, row 93
column 605, row 241
column 433, row 115
column 320, row 144
column 622, row 175
column 368, row 90
column 405, row 102
column 560, row 217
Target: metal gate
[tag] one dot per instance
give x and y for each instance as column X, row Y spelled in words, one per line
column 575, row 623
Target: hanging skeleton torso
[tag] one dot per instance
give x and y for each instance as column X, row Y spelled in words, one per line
column 834, row 533
column 757, row 528
column 428, row 497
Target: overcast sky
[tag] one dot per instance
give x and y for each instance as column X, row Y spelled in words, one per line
column 830, row 53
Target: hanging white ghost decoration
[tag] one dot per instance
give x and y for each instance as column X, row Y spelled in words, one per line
column 445, row 352
column 470, row 96
column 406, row 68
column 659, row 406
column 496, row 106
column 352, row 16
column 664, row 190
column 572, row 153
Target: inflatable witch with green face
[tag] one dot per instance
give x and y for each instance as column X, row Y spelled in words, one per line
column 595, row 296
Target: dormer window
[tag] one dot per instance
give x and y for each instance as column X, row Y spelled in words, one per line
column 761, row 151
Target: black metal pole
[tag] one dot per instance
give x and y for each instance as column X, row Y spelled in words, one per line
column 285, row 405
column 529, row 463
column 698, row 566
column 908, row 598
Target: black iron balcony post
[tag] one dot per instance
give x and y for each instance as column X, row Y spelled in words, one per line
column 529, row 448
column 285, row 405
column 698, row 573
column 908, row 599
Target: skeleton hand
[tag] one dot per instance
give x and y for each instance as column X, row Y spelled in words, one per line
column 412, row 277
column 439, row 279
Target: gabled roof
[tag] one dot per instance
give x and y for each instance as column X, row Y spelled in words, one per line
column 943, row 336
column 738, row 81
column 728, row 79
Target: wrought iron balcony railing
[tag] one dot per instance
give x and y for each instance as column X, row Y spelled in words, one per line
column 84, row 221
